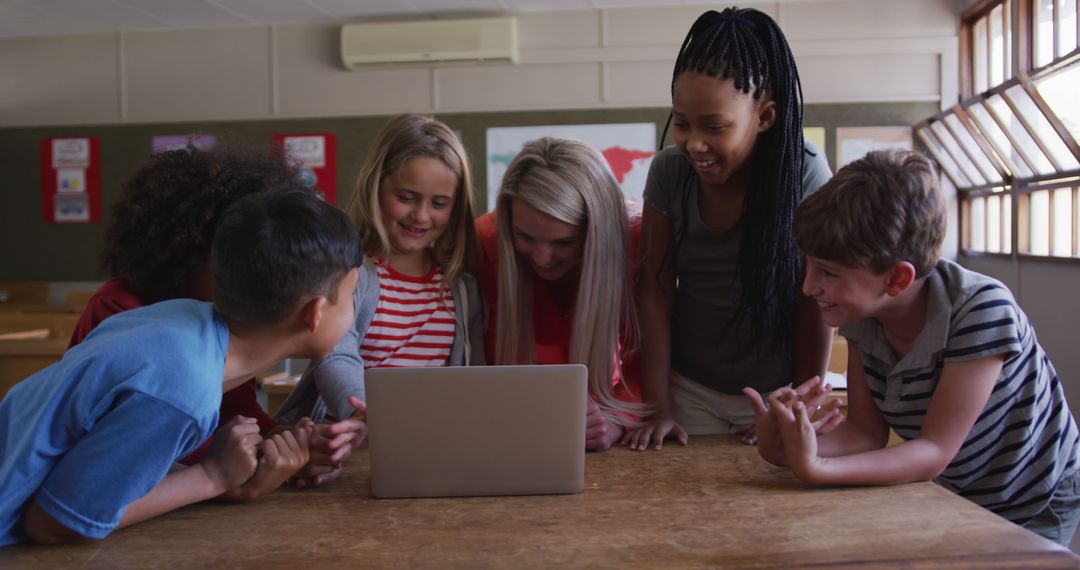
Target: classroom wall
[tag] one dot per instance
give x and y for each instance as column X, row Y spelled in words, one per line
column 847, row 50
column 1046, row 290
column 37, row 251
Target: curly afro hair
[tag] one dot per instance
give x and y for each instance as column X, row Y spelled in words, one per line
column 163, row 226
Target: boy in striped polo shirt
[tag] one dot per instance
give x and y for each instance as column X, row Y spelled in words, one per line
column 942, row 355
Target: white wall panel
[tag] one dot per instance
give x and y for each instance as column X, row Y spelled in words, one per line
column 850, row 78
column 646, row 84
column 203, row 74
column 59, row 80
column 559, row 29
column 311, row 81
column 862, row 19
column 653, row 26
column 518, row 87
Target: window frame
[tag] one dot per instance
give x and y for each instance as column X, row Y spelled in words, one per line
column 1011, row 182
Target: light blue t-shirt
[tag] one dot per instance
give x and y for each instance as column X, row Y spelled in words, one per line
column 92, row 433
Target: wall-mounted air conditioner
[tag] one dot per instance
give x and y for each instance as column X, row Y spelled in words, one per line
column 475, row 39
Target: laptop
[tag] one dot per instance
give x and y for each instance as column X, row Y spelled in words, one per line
column 473, row 431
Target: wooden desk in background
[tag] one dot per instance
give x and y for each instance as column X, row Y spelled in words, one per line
column 21, row 358
column 714, row 503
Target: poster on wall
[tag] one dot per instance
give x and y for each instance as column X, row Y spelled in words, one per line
column 852, row 143
column 315, row 156
column 165, row 143
column 70, row 180
column 628, row 148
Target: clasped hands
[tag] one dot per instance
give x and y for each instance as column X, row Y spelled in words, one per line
column 789, row 420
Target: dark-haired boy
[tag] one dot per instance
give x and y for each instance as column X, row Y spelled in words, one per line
column 87, row 444
column 942, row 355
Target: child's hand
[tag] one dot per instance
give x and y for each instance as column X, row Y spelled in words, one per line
column 824, row 413
column 655, row 429
column 281, row 456
column 231, row 459
column 811, row 393
column 331, row 444
column 600, row 434
column 799, row 439
column 770, row 445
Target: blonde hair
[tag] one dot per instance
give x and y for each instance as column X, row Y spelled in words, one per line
column 405, row 138
column 571, row 182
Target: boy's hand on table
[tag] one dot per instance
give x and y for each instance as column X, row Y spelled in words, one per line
column 280, row 457
column 799, row 437
column 813, row 395
column 331, row 444
column 770, row 445
column 600, row 434
column 232, row 458
column 655, row 429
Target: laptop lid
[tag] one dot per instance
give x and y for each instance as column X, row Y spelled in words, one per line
column 481, row 430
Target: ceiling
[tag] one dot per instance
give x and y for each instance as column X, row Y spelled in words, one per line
column 23, row 18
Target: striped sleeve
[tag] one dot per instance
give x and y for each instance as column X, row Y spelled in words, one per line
column 986, row 324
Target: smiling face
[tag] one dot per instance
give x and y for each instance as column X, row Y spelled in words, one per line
column 416, row 203
column 844, row 294
column 716, row 125
column 552, row 248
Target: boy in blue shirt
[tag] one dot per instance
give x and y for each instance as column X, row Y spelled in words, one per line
column 942, row 355
column 89, row 444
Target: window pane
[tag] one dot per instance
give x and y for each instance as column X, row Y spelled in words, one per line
column 993, row 224
column 978, row 224
column 997, row 48
column 1006, row 223
column 1020, row 135
column 1046, row 133
column 1076, row 220
column 986, row 168
column 1013, row 161
column 979, row 63
column 1066, row 26
column 1040, row 222
column 1044, row 31
column 1062, row 208
column 942, row 157
column 1008, row 39
column 1060, row 92
column 968, row 168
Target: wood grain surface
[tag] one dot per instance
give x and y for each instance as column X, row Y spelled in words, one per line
column 712, row 504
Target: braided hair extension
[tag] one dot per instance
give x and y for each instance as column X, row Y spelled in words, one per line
column 747, row 46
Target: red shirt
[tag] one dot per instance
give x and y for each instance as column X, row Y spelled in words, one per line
column 115, row 297
column 552, row 324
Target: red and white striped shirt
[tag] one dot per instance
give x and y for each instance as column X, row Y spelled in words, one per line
column 413, row 323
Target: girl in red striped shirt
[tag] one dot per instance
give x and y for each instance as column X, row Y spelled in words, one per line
column 415, row 305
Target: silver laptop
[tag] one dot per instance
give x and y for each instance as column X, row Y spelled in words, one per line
column 481, row 430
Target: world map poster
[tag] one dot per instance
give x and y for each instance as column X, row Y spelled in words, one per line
column 628, row 148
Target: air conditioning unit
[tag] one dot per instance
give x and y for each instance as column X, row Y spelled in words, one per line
column 475, row 39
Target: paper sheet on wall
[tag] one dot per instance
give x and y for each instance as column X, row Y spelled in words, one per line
column 628, row 148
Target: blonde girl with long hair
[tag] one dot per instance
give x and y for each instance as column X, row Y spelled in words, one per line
column 416, row 304
column 558, row 274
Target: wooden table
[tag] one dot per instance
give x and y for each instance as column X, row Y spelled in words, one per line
column 712, row 504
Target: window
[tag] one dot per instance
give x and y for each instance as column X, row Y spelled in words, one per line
column 1010, row 146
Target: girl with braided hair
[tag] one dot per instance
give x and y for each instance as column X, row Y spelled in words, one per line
column 718, row 297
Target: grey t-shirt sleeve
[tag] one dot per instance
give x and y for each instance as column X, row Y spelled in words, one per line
column 662, row 179
column 816, row 171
